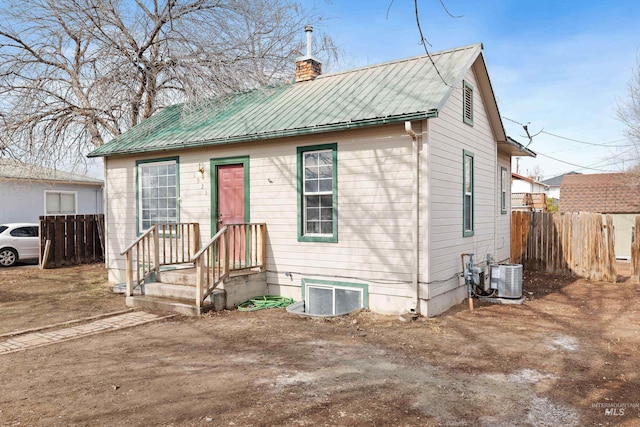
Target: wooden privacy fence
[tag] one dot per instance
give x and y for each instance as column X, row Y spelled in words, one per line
column 71, row 240
column 581, row 244
column 635, row 251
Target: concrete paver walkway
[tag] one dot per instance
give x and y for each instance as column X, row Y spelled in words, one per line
column 46, row 337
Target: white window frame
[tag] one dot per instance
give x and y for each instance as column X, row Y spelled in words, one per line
column 303, row 194
column 468, row 202
column 140, row 190
column 59, row 193
column 333, row 288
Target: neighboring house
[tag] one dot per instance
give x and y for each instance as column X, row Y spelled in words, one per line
column 29, row 191
column 611, row 193
column 528, row 194
column 373, row 179
column 523, row 184
column 554, row 184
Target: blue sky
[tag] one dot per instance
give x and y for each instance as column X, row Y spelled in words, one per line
column 562, row 66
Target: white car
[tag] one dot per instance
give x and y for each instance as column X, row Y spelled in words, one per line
column 18, row 242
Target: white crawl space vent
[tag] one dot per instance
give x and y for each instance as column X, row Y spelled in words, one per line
column 507, row 280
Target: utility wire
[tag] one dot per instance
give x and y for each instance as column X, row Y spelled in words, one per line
column 608, row 144
column 573, row 164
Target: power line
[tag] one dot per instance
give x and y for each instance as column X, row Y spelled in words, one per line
column 607, row 144
column 573, row 164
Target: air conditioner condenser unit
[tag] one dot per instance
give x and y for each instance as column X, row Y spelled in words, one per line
column 507, row 280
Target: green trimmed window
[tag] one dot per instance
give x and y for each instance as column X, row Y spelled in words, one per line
column 504, row 185
column 467, row 103
column 468, row 202
column 157, row 191
column 317, row 193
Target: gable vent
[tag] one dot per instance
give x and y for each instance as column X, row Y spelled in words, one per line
column 467, row 91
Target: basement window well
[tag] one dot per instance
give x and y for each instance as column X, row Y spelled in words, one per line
column 327, row 299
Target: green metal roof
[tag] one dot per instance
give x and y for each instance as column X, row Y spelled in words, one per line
column 407, row 89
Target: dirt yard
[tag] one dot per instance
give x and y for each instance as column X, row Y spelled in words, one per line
column 568, row 357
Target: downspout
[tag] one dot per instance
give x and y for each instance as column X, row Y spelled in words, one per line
column 497, row 207
column 415, row 204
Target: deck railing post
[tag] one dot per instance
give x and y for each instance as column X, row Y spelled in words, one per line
column 199, row 280
column 196, row 239
column 156, row 249
column 226, row 252
column 129, row 273
column 263, row 249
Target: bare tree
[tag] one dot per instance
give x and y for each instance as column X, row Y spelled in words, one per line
column 628, row 112
column 75, row 73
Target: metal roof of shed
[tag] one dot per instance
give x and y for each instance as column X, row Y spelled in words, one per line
column 407, row 89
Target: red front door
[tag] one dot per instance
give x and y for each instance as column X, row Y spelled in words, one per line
column 231, row 210
column 230, row 195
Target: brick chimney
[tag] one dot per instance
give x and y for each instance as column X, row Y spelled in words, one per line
column 308, row 67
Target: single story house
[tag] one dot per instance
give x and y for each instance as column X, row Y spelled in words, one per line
column 371, row 182
column 29, row 191
column 617, row 194
column 524, row 184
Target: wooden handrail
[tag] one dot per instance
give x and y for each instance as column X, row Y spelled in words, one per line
column 233, row 247
column 211, row 242
column 161, row 244
column 142, row 236
column 142, row 257
column 247, row 245
column 212, row 265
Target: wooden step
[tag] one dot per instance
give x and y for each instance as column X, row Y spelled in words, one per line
column 170, row 290
column 179, row 276
column 174, row 305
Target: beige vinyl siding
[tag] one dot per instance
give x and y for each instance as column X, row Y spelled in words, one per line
column 502, row 251
column 448, row 137
column 374, row 213
column 120, row 219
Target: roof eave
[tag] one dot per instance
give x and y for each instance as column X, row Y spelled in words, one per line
column 53, row 181
column 514, row 148
column 285, row 133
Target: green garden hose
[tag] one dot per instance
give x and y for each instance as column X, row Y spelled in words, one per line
column 265, row 301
